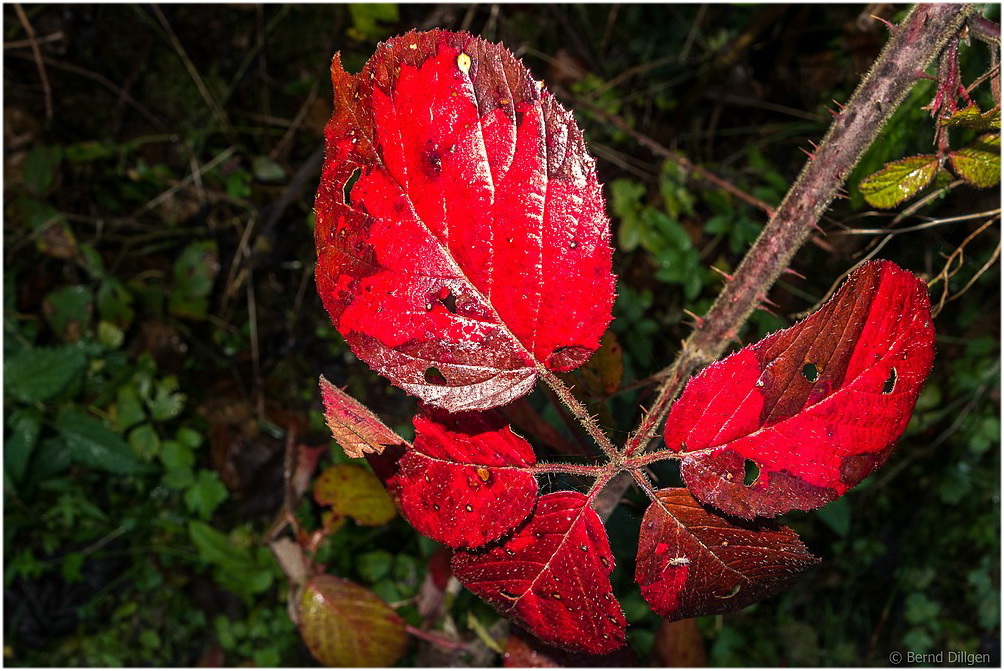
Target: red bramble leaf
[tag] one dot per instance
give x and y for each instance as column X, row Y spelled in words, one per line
column 461, row 235
column 552, row 576
column 797, row 419
column 693, row 561
column 466, row 481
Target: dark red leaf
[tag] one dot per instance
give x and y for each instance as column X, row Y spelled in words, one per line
column 693, row 561
column 552, row 576
column 467, row 479
column 460, row 228
column 797, row 419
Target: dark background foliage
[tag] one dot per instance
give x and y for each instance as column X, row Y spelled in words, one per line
column 162, row 335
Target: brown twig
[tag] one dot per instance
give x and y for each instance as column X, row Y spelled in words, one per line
column 688, row 166
column 39, row 62
column 103, row 81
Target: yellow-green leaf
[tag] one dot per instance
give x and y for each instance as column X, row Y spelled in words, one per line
column 979, row 163
column 899, row 180
column 972, row 117
column 353, row 491
column 344, row 624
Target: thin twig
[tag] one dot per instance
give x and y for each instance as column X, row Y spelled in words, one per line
column 688, row 166
column 104, row 81
column 39, row 62
column 211, row 101
column 45, row 39
column 957, row 257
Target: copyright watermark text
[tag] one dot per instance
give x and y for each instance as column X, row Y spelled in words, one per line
column 959, row 657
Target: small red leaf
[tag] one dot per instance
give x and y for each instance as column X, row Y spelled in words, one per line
column 797, row 419
column 356, row 430
column 693, row 561
column 461, row 235
column 552, row 576
column 467, row 479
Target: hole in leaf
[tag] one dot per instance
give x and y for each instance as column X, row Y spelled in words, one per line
column 349, row 183
column 732, row 593
column 448, row 300
column 751, row 471
column 890, row 383
column 810, row 372
column 433, row 376
column 433, row 161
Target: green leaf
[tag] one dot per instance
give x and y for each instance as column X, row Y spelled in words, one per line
column 175, row 454
column 236, row 568
column 92, row 444
column 217, row 548
column 837, row 516
column 51, row 457
column 194, row 273
column 115, row 303
column 25, row 426
column 979, row 163
column 68, row 311
column 367, row 18
column 39, row 374
column 626, row 195
column 128, row 408
column 899, row 180
column 374, row 566
column 165, row 402
column 267, row 170
column 40, row 168
column 145, row 441
column 205, row 494
column 344, row 624
column 971, row 117
column 89, row 150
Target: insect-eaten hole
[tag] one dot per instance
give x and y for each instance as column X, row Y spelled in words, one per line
column 448, row 299
column 349, row 183
column 890, row 382
column 810, row 372
column 433, row 161
column 751, row 471
column 433, row 376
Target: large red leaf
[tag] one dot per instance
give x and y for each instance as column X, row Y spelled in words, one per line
column 693, row 561
column 552, row 576
column 460, row 228
column 797, row 419
column 467, row 479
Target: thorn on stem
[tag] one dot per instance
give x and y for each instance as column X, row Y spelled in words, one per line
column 892, row 28
column 698, row 321
column 728, row 278
column 807, row 153
column 792, row 271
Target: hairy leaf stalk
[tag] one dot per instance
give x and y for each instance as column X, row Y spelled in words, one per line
column 918, row 40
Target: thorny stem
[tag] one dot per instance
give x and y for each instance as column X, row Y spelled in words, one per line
column 587, row 421
column 922, row 35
